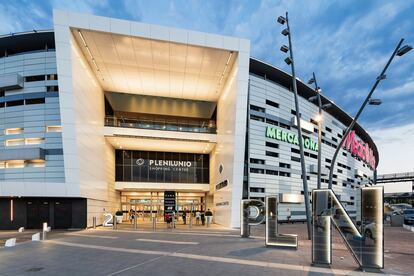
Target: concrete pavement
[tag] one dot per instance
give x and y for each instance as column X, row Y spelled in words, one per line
column 199, row 251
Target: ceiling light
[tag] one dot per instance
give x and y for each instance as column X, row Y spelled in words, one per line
column 83, row 39
column 90, row 53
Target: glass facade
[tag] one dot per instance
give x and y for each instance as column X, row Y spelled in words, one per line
column 163, row 167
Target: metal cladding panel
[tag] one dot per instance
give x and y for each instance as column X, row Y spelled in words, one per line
column 22, row 154
column 11, row 81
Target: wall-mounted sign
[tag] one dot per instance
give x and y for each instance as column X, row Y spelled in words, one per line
column 164, row 167
column 306, row 126
column 359, row 149
column 169, row 201
column 164, row 164
column 291, row 138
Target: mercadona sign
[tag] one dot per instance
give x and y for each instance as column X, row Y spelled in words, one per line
column 289, row 137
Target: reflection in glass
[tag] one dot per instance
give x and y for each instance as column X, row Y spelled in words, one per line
column 365, row 244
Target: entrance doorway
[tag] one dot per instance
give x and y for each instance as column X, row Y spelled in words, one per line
column 148, row 205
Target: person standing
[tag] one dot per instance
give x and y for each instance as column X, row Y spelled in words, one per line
column 131, row 215
column 289, row 215
column 185, row 216
column 209, row 217
column 168, row 219
column 173, row 218
column 203, row 218
column 198, row 214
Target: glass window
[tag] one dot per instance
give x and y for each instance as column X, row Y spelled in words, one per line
column 127, row 173
column 118, row 157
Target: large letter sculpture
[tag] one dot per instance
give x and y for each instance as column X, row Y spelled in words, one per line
column 366, row 244
column 273, row 238
column 254, row 212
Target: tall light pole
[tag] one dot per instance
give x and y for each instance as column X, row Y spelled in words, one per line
column 319, row 120
column 399, row 51
column 290, row 61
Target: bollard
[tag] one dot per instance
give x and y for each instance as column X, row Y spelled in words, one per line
column 154, row 223
column 10, row 242
column 94, row 222
column 36, row 237
column 21, row 229
column 44, row 231
column 135, row 222
column 115, row 223
column 191, row 220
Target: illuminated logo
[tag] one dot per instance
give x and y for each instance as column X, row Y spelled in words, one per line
column 170, row 163
column 140, row 162
column 291, row 138
column 359, row 149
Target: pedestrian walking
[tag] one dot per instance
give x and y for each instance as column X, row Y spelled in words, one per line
column 198, row 214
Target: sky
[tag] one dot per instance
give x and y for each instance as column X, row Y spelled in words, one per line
column 346, row 44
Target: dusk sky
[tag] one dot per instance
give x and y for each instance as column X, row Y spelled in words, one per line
column 346, row 43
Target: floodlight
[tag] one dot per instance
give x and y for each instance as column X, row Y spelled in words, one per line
column 288, row 60
column 285, row 32
column 284, row 48
column 375, row 101
column 326, row 106
column 312, row 80
column 404, row 49
column 281, row 20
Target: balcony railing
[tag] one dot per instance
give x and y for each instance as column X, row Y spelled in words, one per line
column 202, row 126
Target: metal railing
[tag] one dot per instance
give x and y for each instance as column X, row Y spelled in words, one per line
column 202, row 126
column 395, row 177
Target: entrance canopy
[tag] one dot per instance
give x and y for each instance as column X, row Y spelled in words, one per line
column 144, row 66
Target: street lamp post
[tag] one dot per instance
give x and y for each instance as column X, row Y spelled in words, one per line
column 290, row 61
column 399, row 51
column 319, row 120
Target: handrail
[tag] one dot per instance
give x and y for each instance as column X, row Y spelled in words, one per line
column 202, row 126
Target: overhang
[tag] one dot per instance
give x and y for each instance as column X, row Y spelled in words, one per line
column 145, row 66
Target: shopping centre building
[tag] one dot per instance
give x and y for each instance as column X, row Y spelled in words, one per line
column 103, row 114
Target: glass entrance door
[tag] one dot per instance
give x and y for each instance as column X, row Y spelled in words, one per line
column 145, row 205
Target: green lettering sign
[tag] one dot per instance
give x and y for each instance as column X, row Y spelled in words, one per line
column 291, row 138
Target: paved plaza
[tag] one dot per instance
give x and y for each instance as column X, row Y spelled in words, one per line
column 185, row 251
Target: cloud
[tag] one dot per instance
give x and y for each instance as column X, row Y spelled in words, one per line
column 83, row 6
column 395, row 148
